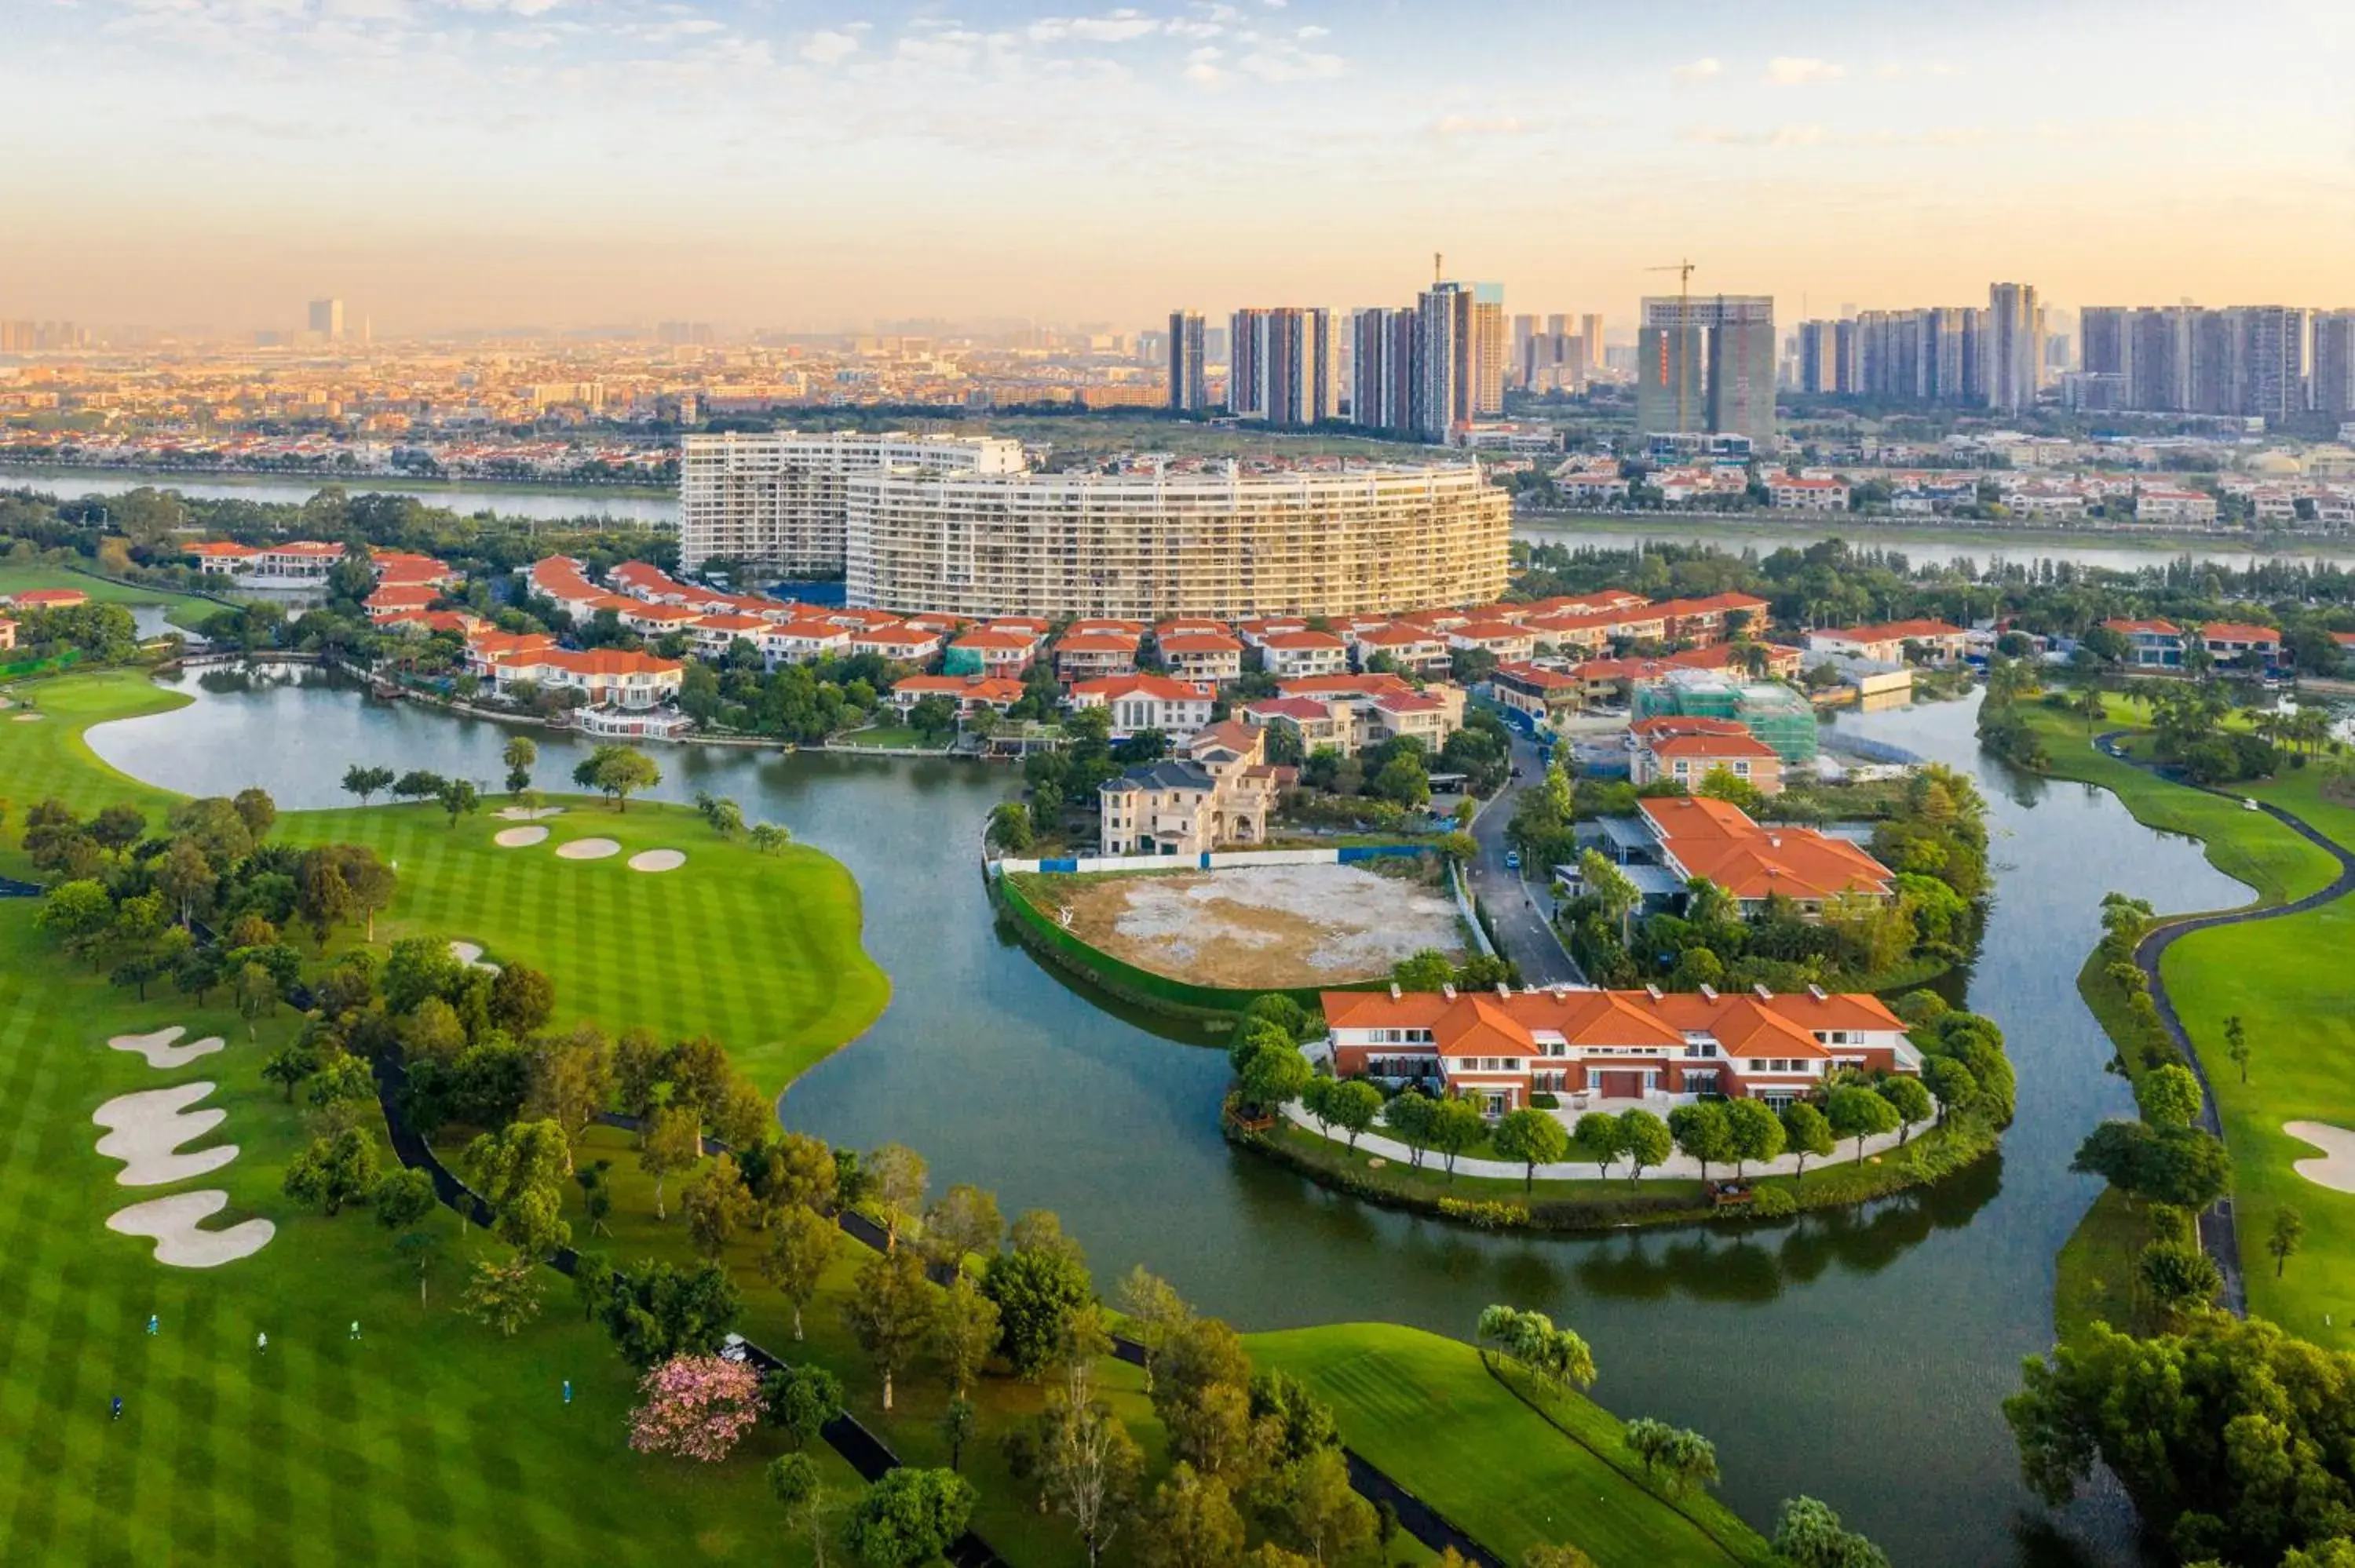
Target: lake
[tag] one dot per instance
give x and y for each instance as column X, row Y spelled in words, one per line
column 1860, row 1356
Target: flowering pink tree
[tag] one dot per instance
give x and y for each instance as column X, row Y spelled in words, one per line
column 696, row 1407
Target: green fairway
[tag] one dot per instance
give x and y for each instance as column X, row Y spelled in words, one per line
column 2289, row 982
column 184, row 610
column 430, row 1440
column 1424, row 1409
column 761, row 952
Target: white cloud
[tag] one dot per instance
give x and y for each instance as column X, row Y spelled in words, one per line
column 1115, row 28
column 1283, row 60
column 1781, row 136
column 1797, row 71
column 1450, row 126
column 1697, row 70
column 829, row 47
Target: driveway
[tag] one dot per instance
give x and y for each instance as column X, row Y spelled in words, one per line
column 1518, row 910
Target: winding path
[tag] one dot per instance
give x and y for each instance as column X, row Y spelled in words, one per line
column 2218, row 1232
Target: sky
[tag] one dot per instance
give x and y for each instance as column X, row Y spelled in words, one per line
column 788, row 164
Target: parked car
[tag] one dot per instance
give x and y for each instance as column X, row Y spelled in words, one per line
column 1512, row 860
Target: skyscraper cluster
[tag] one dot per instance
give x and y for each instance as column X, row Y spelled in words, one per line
column 1557, row 358
column 2253, row 361
column 1963, row 356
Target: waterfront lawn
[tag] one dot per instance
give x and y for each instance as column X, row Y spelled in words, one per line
column 431, row 1439
column 184, row 610
column 1424, row 1409
column 761, row 952
column 2248, row 846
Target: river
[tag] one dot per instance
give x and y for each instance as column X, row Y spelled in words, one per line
column 1859, row 1357
column 554, row 504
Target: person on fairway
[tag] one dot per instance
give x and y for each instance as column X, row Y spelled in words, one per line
column 261, row 1344
column 355, row 1328
column 118, row 1408
column 151, row 1322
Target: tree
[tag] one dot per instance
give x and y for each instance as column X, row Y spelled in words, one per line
column 186, row 879
column 458, row 797
column 1039, row 1289
column 768, row 838
column 1090, row 1466
column 895, row 1183
column 321, row 897
column 1645, row 1139
column 933, row 720
column 2236, row 1045
column 965, row 1330
column 1275, row 1076
column 333, row 1172
column 1681, row 1459
column 890, row 1312
column 76, row 913
column 964, row 1223
column 617, row 772
column 1320, row 1512
column 1807, row 1132
column 800, row 1401
column 257, row 811
column 1809, row 1534
column 794, row 1482
column 367, row 781
column 2185, row 1167
column 1600, row 1137
column 909, row 1517
column 519, row 1171
column 1201, row 1392
column 2168, row 1095
column 656, row 1311
column 2288, row 1231
column 1352, row 1107
column 960, row 1418
column 371, row 881
column 1950, row 1082
column 502, row 1295
column 520, row 757
column 1190, row 1523
column 1410, row 1116
column 1859, row 1113
column 800, row 1245
column 1427, row 970
column 715, row 1204
column 1703, row 1131
column 671, row 1141
column 402, row 1199
column 2178, row 1274
column 289, row 1067
column 257, row 996
column 695, row 1407
column 1554, row 1355
column 417, row 784
column 1156, row 1314
column 1010, row 827
column 1534, row 1137
column 1755, row 1131
column 1455, row 1125
column 1907, row 1098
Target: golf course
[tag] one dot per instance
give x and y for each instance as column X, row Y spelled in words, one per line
column 2288, row 981
column 300, row 1403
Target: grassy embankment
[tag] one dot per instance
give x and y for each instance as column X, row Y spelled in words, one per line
column 184, row 610
column 227, row 1454
column 2287, row 980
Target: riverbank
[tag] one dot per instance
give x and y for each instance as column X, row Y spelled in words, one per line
column 32, row 475
column 2283, row 978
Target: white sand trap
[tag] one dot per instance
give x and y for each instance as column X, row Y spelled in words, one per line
column 2336, row 1169
column 173, row 1223
column 471, row 954
column 657, row 860
column 149, row 1126
column 517, row 838
column 26, row 718
column 528, row 814
column 159, row 1050
column 588, row 849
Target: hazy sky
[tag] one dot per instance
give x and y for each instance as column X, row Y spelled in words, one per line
column 785, row 163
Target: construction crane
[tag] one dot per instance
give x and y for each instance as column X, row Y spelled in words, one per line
column 1684, row 271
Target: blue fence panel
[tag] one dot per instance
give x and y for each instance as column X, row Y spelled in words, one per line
column 1067, row 866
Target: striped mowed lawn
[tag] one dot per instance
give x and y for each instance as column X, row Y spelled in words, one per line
column 761, row 952
column 429, row 1440
column 1424, row 1409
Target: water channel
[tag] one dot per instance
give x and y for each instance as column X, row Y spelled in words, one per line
column 1859, row 1357
column 554, row 504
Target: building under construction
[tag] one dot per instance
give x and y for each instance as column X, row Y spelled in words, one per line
column 1705, row 364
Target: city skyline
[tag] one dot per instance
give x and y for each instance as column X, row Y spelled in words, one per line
column 782, row 166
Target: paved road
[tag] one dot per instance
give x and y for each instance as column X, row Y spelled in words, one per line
column 2218, row 1231
column 1518, row 910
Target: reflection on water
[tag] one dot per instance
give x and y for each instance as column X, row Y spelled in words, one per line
column 1859, row 1356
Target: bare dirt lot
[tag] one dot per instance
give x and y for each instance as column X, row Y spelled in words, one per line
column 1258, row 927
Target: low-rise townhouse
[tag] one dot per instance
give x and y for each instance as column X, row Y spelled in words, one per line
column 1693, row 835
column 1537, row 693
column 1319, row 723
column 2234, row 643
column 1140, row 702
column 804, row 641
column 1706, row 620
column 1219, row 790
column 1501, row 639
column 1790, row 494
column 1686, row 751
column 1095, row 654
column 989, row 652
column 606, row 677
column 1416, row 649
column 1888, row 642
column 966, row 693
column 2191, row 506
column 2150, row 644
column 1289, row 655
column 901, row 644
column 1210, row 656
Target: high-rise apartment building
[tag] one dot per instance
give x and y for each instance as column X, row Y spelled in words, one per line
column 1524, row 359
column 1190, row 379
column 328, row 318
column 1490, row 347
column 1589, row 331
column 1383, row 369
column 2015, row 335
column 1707, row 365
column 2334, row 362
column 1818, row 367
column 779, row 500
column 2272, row 382
column 1442, row 355
column 1284, row 368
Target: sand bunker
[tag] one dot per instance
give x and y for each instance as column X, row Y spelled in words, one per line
column 173, row 1223
column 159, row 1050
column 527, row 813
column 471, row 954
column 2336, row 1169
column 657, row 860
column 515, row 838
column 588, row 849
column 24, row 718
column 149, row 1126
